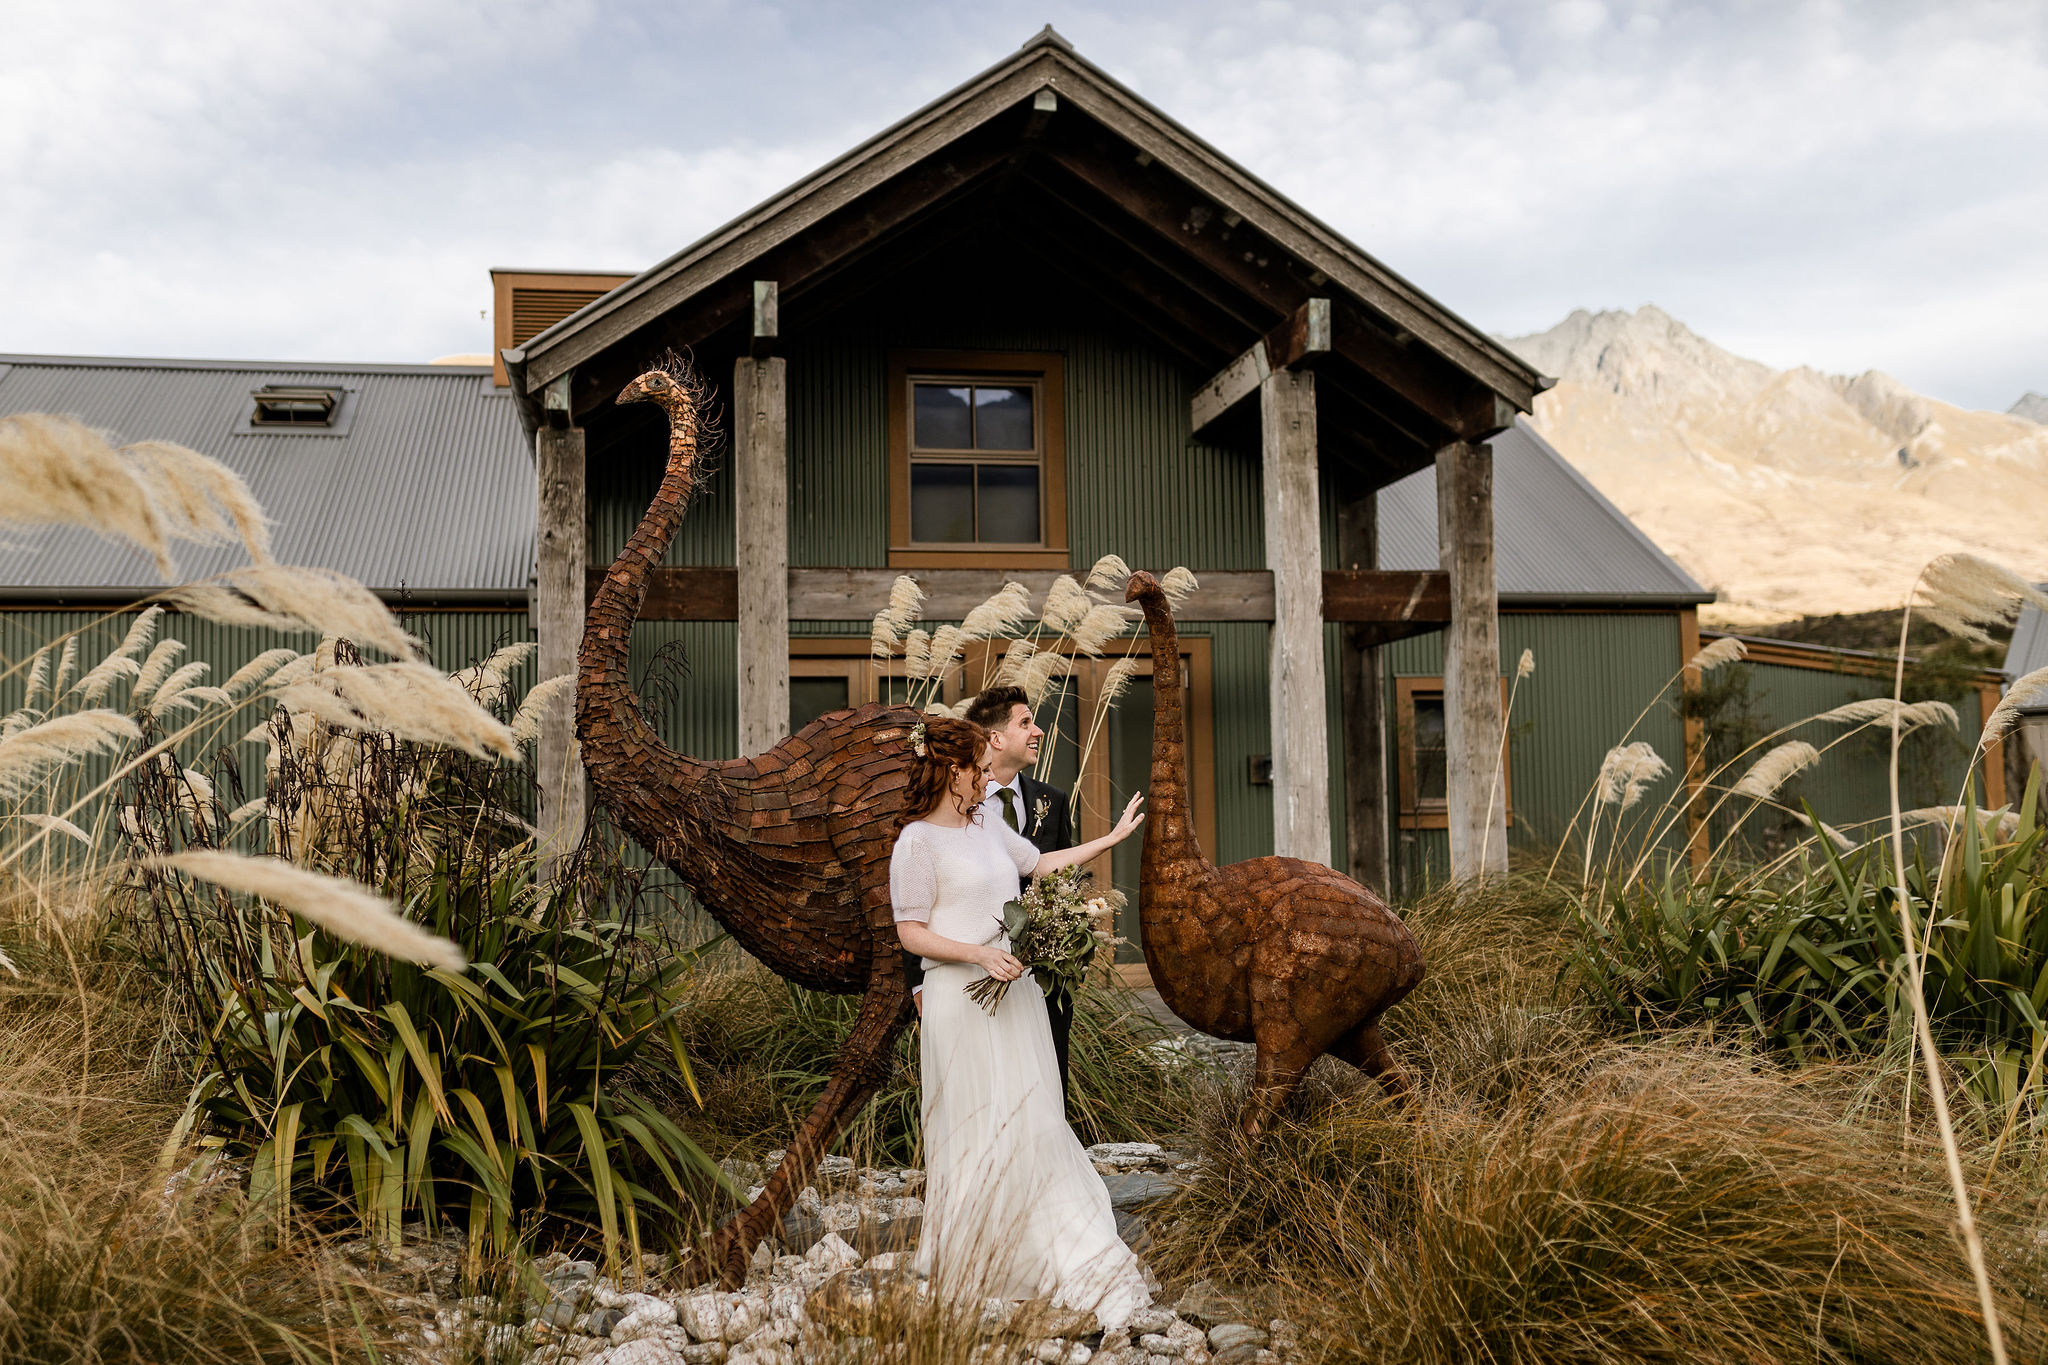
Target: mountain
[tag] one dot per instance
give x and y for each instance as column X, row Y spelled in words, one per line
column 2032, row 406
column 1789, row 492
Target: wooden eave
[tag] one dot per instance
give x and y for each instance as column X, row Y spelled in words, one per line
column 931, row 156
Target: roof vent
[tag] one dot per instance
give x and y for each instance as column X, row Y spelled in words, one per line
column 294, row 405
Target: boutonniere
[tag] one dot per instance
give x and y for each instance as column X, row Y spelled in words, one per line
column 1039, row 809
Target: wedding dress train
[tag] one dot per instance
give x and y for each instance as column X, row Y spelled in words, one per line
column 1013, row 1208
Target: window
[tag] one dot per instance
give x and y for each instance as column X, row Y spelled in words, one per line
column 1423, row 756
column 288, row 405
column 978, row 469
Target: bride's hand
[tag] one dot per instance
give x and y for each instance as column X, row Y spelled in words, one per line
column 999, row 964
column 1132, row 818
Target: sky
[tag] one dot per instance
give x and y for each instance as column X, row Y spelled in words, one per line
column 1845, row 185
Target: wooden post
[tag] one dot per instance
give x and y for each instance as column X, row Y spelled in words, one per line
column 1301, row 760
column 761, row 489
column 1698, row 844
column 561, row 557
column 1476, row 803
column 1365, row 719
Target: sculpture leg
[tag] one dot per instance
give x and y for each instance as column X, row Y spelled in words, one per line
column 858, row 1071
column 1275, row 1074
column 1366, row 1049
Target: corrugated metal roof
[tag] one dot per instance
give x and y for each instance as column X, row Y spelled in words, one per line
column 431, row 488
column 2029, row 648
column 1556, row 539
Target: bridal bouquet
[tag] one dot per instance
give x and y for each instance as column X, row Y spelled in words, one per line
column 1052, row 929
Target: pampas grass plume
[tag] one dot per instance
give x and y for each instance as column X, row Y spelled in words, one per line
column 26, row 755
column 1962, row 594
column 202, row 499
column 1525, row 665
column 1000, row 614
column 533, row 711
column 157, row 667
column 331, row 603
column 1117, row 681
column 1776, row 768
column 1109, row 574
column 917, row 653
column 411, row 700
column 882, row 637
column 1726, row 650
column 38, row 676
column 57, row 824
column 906, row 603
column 1178, row 586
column 1065, row 605
column 1102, row 624
column 2024, row 693
column 58, row 471
column 1626, row 772
column 101, row 677
column 947, row 642
column 1015, row 657
column 251, row 674
column 346, row 909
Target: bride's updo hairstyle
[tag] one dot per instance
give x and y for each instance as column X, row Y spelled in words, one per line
column 948, row 744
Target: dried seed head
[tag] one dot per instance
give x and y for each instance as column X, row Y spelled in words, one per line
column 1109, row 574
column 1962, row 594
column 533, row 712
column 1626, row 772
column 2024, row 694
column 1726, row 650
column 1102, row 624
column 906, row 603
column 346, row 909
column 155, row 669
column 1525, row 665
column 1065, row 605
column 28, row 754
column 1776, row 768
column 1015, row 657
column 1178, row 585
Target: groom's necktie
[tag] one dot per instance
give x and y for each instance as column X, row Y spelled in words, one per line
column 1009, row 799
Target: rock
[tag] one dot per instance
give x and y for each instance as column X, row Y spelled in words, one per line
column 832, row 1253
column 1133, row 1230
column 835, row 1166
column 644, row 1316
column 1208, row 1302
column 995, row 1314
column 1124, row 1153
column 602, row 1320
column 1159, row 1344
column 763, row 1257
column 744, row 1318
column 1131, row 1189
column 704, row 1353
column 1149, row 1320
column 702, row 1316
column 1160, row 1360
column 557, row 1313
column 801, row 1231
column 888, row 1261
column 1225, row 1335
column 642, row 1351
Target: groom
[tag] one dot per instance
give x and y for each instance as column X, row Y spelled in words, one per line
column 1037, row 810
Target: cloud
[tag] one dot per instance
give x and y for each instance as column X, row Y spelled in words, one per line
column 1846, row 186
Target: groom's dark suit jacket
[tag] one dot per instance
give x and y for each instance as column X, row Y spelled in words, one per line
column 1051, row 831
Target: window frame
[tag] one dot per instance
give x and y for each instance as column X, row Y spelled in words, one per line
column 1415, row 813
column 1046, row 371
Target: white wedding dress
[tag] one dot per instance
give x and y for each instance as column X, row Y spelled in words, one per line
column 1012, row 1207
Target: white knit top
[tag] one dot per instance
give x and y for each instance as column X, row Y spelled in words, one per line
column 956, row 880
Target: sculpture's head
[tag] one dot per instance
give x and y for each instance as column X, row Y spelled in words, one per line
column 653, row 387
column 1143, row 586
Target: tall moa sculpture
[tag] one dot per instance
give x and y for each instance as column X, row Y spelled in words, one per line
column 788, row 850
column 1283, row 953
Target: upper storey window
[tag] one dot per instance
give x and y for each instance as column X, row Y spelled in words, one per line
column 978, row 461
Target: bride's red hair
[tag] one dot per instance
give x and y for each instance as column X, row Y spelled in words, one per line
column 948, row 744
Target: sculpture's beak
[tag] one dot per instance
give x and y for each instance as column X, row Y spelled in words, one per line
column 1141, row 582
column 635, row 392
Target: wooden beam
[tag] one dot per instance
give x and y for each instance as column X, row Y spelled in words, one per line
column 1368, row 823
column 1388, row 604
column 559, row 593
column 1300, row 730
column 1698, row 839
column 1475, row 796
column 1305, row 334
column 761, row 554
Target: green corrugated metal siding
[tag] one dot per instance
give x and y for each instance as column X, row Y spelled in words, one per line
column 1594, row 672
column 1851, row 784
column 620, row 486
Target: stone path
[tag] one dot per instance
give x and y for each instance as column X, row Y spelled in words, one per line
column 812, row 1293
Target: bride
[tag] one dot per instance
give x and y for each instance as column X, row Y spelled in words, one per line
column 1013, row 1208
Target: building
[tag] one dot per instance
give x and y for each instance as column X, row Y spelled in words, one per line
column 2027, row 746
column 1168, row 361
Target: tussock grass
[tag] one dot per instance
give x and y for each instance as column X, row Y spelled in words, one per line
column 96, row 1262
column 1563, row 1193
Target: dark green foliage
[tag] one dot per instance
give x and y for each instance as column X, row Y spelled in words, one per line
column 1812, row 961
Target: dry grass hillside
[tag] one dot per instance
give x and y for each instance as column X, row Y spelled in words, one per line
column 1790, row 492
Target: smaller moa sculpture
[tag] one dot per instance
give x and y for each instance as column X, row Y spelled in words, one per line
column 1289, row 955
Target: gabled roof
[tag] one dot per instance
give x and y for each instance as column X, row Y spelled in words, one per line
column 1148, row 173
column 429, row 487
column 1556, row 539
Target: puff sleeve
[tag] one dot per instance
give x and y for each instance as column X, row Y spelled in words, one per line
column 1021, row 850
column 913, row 878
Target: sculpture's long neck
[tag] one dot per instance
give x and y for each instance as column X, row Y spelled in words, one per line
column 1170, row 818
column 626, row 758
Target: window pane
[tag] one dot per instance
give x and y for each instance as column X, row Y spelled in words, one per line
column 942, row 502
column 810, row 698
column 1002, row 419
column 1429, row 750
column 1009, row 504
column 942, row 418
